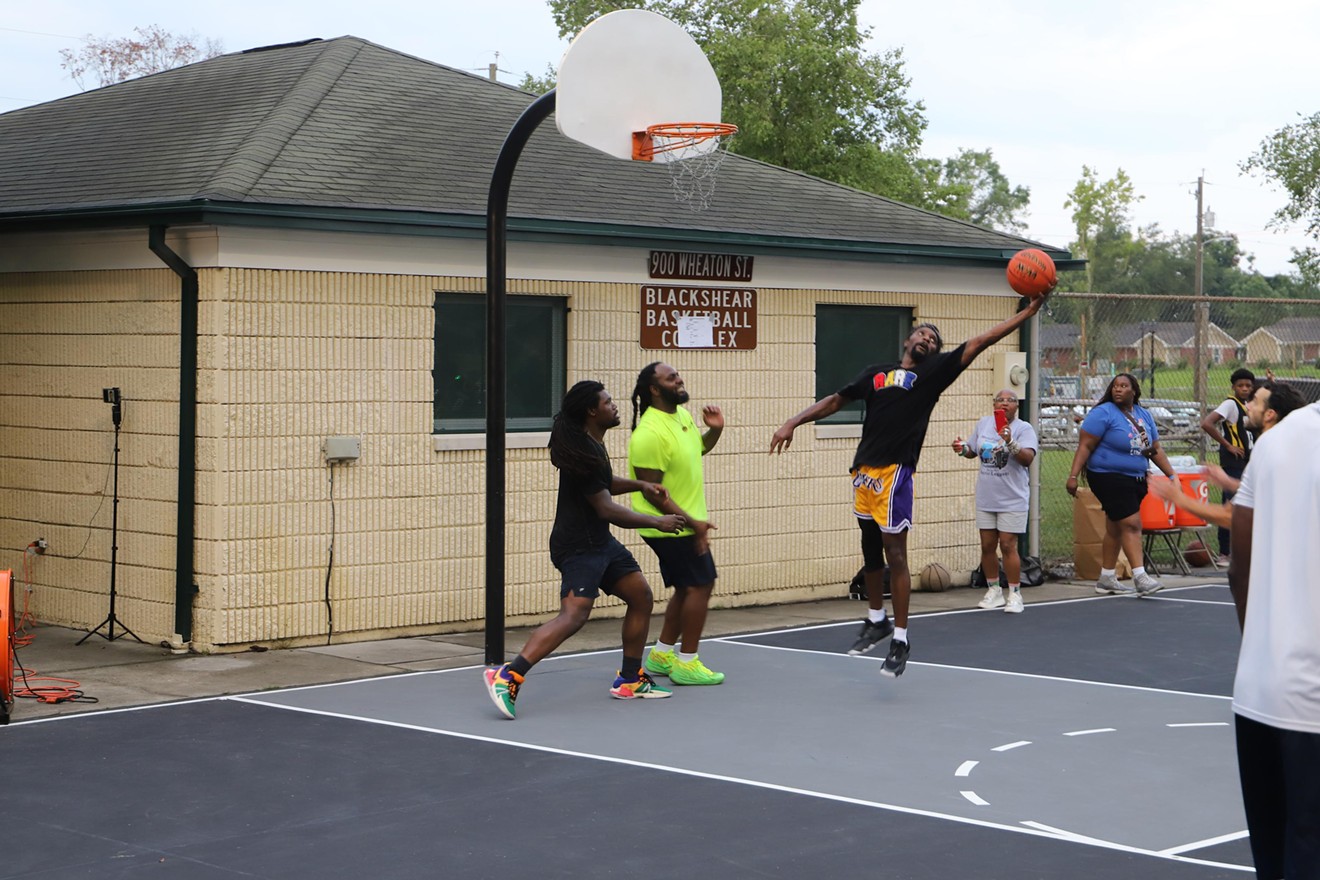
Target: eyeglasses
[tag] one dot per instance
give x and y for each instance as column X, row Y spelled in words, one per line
column 1005, row 400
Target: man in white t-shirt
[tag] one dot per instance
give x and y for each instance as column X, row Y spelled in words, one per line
column 1003, row 494
column 1276, row 695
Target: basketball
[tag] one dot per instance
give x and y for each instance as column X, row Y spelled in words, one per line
column 1197, row 555
column 1031, row 273
column 934, row 578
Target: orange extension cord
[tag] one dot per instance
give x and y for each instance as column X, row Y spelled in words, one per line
column 42, row 688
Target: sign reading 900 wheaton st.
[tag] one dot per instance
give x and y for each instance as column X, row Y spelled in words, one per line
column 696, row 316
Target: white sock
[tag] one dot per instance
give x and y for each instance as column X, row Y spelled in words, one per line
column 686, row 658
column 875, row 615
column 994, row 585
column 1014, row 587
column 1108, row 572
column 662, row 647
column 1139, row 571
column 900, row 633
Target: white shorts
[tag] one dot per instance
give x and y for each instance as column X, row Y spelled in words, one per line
column 1012, row 522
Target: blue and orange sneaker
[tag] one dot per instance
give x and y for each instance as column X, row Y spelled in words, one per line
column 641, row 688
column 502, row 684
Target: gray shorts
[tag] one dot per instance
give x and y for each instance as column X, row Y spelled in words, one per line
column 1013, row 522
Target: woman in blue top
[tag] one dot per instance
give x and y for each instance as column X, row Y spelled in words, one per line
column 1117, row 441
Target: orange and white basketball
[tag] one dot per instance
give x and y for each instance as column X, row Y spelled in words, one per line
column 1031, row 273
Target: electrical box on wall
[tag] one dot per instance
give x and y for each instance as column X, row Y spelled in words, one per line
column 1011, row 372
column 341, row 449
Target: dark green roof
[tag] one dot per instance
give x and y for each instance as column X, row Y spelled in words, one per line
column 344, row 130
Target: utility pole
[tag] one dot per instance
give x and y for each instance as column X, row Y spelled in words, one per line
column 1201, row 310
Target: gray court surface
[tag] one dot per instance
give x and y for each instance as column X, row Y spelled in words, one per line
column 986, row 759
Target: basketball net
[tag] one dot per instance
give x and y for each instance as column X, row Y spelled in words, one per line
column 692, row 153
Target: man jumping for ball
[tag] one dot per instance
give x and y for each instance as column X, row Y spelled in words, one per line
column 899, row 401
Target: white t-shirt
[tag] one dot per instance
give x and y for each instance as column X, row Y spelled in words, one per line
column 1006, row 489
column 1228, row 411
column 1278, row 671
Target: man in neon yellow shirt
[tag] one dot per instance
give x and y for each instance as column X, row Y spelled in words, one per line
column 666, row 447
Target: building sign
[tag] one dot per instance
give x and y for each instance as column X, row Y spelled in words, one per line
column 680, row 265
column 698, row 317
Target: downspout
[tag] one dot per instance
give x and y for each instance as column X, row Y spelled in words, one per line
column 185, row 586
column 1031, row 345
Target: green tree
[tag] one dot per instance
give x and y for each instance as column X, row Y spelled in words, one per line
column 1291, row 158
column 798, row 84
column 112, row 60
column 1100, row 209
column 971, row 186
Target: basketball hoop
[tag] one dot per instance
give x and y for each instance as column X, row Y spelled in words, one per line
column 692, row 153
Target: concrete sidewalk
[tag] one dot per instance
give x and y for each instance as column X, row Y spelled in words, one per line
column 124, row 673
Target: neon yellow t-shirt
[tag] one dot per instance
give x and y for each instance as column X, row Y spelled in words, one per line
column 670, row 443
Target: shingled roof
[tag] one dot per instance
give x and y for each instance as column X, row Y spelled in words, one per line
column 344, row 129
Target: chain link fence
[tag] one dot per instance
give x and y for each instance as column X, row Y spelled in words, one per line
column 1182, row 351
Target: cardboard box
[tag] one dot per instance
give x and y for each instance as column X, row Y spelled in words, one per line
column 1088, row 533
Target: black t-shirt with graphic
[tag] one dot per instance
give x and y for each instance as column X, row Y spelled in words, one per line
column 577, row 527
column 898, row 406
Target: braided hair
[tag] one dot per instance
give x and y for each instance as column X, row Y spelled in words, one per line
column 572, row 450
column 641, row 396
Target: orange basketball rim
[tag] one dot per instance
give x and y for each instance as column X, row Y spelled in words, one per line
column 6, row 644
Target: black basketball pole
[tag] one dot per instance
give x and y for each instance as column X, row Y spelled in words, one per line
column 112, row 397
column 497, row 217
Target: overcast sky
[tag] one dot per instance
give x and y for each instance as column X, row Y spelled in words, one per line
column 1166, row 90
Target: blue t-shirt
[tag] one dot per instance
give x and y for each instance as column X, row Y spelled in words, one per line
column 1121, row 444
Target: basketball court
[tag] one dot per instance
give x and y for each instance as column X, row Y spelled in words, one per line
column 1085, row 738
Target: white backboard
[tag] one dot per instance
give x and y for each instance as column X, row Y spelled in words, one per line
column 629, row 69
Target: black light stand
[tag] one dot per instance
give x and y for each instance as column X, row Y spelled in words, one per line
column 112, row 397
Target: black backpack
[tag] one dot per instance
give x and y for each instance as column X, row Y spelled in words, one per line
column 857, row 587
column 1033, row 575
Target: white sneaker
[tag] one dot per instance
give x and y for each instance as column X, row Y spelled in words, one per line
column 994, row 598
column 1147, row 584
column 1110, row 584
column 1014, row 605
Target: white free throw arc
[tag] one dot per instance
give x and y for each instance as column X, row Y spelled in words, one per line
column 629, row 69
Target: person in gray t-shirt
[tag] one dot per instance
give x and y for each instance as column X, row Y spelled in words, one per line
column 1005, row 446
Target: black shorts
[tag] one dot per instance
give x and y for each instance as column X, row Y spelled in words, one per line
column 680, row 566
column 591, row 572
column 1120, row 495
column 1280, row 774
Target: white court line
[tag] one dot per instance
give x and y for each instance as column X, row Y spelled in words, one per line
column 1202, row 844
column 1047, row 603
column 1092, row 841
column 1190, row 601
column 980, row 669
column 1199, row 724
column 975, row 798
column 753, row 783
column 1015, row 745
column 965, row 769
column 1089, row 732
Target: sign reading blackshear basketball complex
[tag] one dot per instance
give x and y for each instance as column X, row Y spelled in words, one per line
column 698, row 315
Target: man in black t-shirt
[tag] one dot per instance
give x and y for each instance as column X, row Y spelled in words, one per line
column 899, row 401
column 589, row 558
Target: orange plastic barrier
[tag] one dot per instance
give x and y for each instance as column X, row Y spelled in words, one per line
column 6, row 644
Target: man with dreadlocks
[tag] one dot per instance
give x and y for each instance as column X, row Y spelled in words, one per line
column 899, row 401
column 666, row 448
column 589, row 558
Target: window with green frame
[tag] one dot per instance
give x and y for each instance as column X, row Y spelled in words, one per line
column 849, row 338
column 535, row 353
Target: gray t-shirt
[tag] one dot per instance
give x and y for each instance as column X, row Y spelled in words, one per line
column 1002, row 488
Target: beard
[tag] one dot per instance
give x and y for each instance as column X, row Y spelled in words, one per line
column 674, row 398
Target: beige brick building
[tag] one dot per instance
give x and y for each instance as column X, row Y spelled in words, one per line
column 330, row 228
